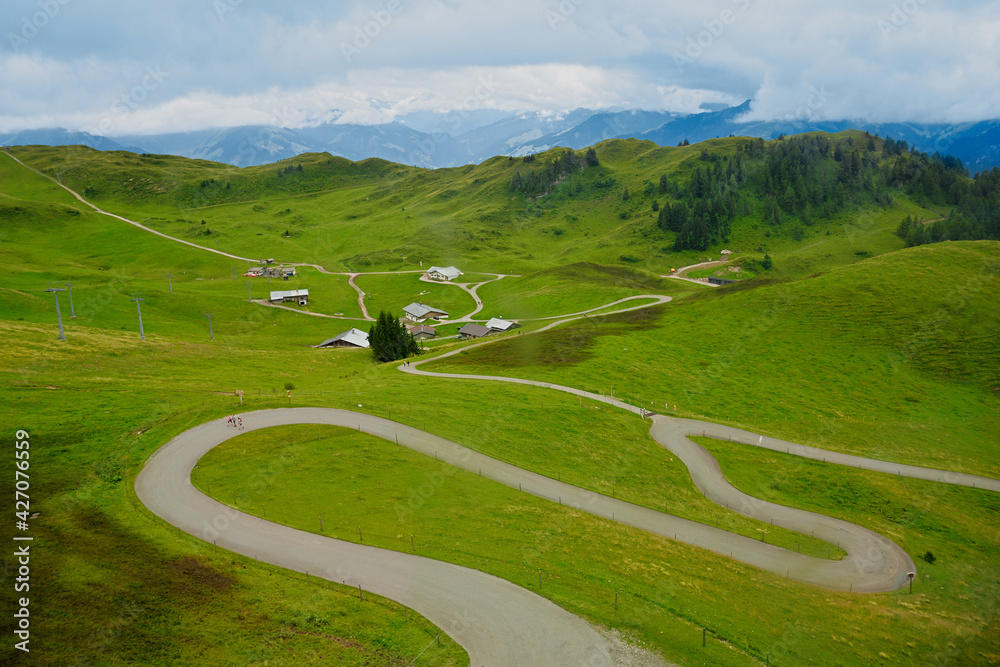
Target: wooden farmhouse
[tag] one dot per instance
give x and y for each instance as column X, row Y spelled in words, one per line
column 422, row 332
column 473, row 331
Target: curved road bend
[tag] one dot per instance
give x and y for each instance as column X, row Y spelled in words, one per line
column 497, row 622
column 873, row 564
column 472, row 289
column 480, row 611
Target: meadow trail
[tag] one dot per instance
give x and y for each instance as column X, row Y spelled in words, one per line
column 350, row 275
column 472, row 289
column 361, row 296
column 480, row 611
column 123, row 219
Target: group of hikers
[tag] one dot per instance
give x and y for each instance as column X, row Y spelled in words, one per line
column 235, row 421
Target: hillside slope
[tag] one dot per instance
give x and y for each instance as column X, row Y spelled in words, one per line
column 904, row 343
column 508, row 214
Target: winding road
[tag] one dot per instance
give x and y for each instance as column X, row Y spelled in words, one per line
column 482, row 612
column 497, row 622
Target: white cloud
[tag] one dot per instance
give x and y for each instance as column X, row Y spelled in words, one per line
column 909, row 61
column 384, row 95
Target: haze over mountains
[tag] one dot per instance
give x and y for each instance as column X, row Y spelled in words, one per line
column 458, row 138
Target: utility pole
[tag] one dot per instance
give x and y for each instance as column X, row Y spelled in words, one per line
column 137, row 299
column 249, row 298
column 72, row 311
column 234, row 274
column 55, row 291
column 170, row 283
column 210, row 334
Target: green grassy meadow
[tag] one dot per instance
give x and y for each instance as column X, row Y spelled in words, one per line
column 390, row 493
column 881, row 359
column 568, row 289
column 851, row 343
column 375, row 216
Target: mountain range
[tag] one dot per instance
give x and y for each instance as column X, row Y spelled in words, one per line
column 453, row 139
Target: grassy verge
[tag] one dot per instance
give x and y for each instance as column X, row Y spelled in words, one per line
column 567, row 289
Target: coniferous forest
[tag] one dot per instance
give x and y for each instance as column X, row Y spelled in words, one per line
column 801, row 180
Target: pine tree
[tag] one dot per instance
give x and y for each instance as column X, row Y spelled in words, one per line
column 389, row 339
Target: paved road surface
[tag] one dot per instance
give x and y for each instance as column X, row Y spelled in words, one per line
column 497, row 622
column 481, row 612
column 873, row 564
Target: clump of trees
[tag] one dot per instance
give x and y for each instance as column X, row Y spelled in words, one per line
column 389, row 339
column 537, row 182
column 809, row 177
column 288, row 170
column 976, row 205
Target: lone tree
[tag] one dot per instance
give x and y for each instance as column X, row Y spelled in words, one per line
column 389, row 339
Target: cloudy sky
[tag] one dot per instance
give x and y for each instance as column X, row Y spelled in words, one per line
column 115, row 67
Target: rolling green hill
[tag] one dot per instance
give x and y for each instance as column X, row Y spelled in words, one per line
column 905, row 340
column 850, row 342
column 374, row 215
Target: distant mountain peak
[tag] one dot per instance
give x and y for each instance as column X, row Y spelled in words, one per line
column 429, row 139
